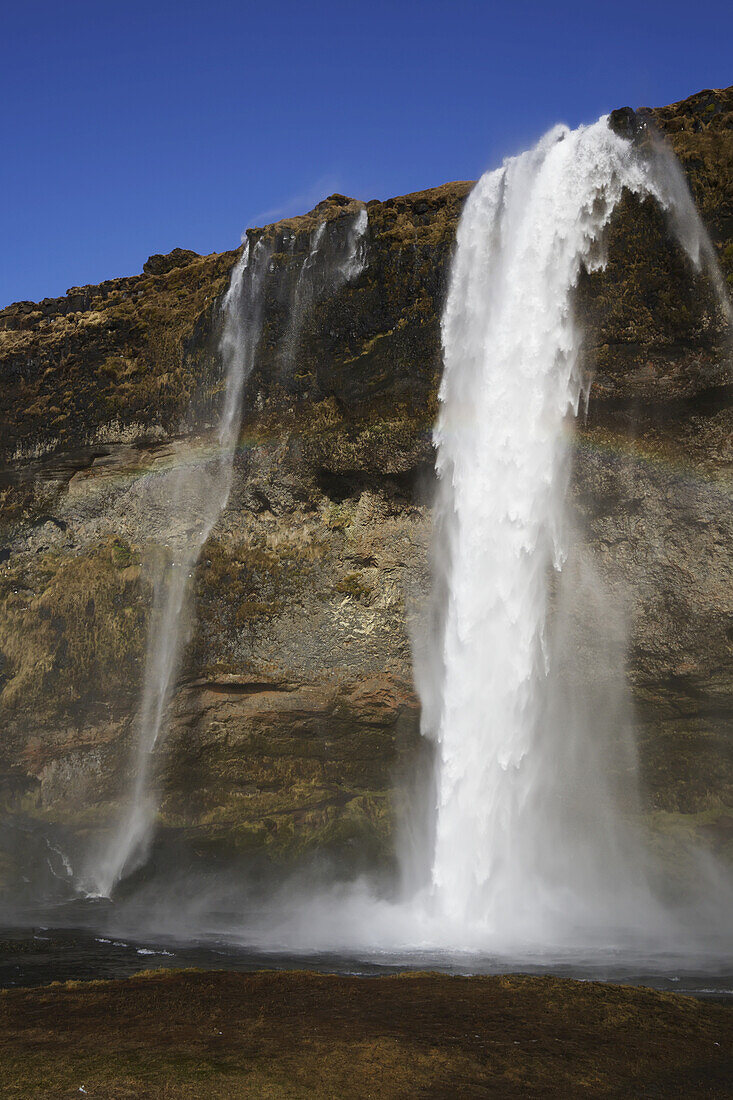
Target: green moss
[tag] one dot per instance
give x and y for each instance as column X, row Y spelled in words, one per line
column 242, row 586
column 122, row 555
column 338, row 516
column 71, row 627
column 354, row 586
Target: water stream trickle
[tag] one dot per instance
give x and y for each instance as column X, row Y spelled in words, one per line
column 190, row 498
column 194, row 494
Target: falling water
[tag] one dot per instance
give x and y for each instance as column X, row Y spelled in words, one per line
column 190, row 499
column 328, row 265
column 513, row 852
column 192, row 496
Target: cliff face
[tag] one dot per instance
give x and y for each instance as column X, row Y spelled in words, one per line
column 295, row 715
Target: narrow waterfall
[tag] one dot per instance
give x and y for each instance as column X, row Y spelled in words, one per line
column 189, row 499
column 322, row 272
column 193, row 496
column 510, row 854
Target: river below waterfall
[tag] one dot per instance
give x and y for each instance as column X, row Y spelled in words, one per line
column 78, row 942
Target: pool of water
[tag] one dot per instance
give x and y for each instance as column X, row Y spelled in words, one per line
column 54, row 947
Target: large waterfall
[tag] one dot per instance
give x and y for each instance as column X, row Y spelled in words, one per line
column 528, row 839
column 526, row 842
column 189, row 500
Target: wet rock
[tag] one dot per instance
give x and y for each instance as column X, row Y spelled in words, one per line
column 625, row 122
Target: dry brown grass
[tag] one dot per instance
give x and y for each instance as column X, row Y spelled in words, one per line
column 186, row 1034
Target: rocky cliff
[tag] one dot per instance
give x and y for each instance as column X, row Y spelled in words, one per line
column 295, row 716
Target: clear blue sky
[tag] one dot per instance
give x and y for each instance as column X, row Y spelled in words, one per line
column 129, row 128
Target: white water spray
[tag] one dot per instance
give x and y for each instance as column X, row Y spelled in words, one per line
column 514, row 853
column 190, row 498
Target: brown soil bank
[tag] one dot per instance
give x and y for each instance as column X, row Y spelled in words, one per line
column 190, row 1034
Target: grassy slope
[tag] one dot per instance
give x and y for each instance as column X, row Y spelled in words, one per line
column 222, row 1035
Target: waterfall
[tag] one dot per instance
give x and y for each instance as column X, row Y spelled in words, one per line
column 530, row 852
column 189, row 500
column 329, row 264
column 528, row 841
column 191, row 497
